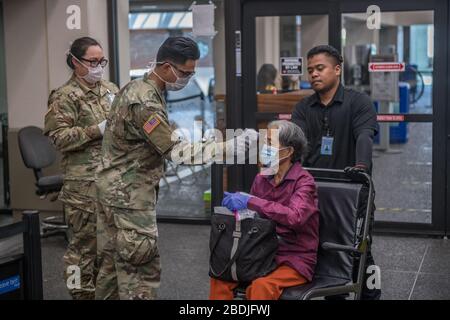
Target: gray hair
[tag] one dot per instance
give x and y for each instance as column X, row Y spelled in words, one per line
column 291, row 135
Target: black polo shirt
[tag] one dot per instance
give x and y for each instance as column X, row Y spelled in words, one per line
column 347, row 115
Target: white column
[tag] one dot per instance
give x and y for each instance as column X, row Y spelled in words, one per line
column 267, row 41
column 124, row 41
column 219, row 49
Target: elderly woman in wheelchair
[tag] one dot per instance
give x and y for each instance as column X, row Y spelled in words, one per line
column 285, row 193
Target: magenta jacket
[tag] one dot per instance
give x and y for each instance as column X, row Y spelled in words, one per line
column 293, row 206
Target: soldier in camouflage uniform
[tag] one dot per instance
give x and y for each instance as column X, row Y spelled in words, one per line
column 137, row 139
column 75, row 122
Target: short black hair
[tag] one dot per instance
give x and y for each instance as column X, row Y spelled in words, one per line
column 328, row 50
column 178, row 50
column 79, row 48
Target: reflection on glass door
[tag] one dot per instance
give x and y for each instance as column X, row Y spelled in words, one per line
column 402, row 165
column 280, row 42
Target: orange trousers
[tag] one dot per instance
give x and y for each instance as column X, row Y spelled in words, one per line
column 269, row 287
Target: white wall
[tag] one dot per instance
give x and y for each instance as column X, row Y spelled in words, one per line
column 59, row 38
column 27, row 78
column 97, row 24
column 36, row 40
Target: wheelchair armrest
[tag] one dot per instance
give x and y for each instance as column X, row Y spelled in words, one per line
column 329, row 246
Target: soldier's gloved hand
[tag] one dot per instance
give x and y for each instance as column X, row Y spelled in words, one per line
column 235, row 201
column 102, row 126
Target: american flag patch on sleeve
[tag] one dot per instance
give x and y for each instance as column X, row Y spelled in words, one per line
column 151, row 124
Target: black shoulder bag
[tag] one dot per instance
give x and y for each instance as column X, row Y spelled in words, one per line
column 242, row 249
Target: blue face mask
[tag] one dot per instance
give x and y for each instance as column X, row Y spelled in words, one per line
column 269, row 156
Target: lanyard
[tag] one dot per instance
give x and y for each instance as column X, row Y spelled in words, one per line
column 326, row 122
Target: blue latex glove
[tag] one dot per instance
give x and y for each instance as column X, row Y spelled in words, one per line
column 235, row 201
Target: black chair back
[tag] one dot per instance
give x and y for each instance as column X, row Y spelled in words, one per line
column 36, row 149
column 339, row 207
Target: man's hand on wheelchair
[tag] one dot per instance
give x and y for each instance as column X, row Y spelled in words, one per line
column 235, row 201
column 357, row 169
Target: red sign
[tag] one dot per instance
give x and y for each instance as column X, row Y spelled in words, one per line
column 390, row 118
column 386, row 66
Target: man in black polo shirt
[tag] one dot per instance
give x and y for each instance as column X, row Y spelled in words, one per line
column 339, row 124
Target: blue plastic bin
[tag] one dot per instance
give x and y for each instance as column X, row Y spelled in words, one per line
column 398, row 131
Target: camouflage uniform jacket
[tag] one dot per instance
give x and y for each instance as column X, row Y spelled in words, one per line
column 137, row 140
column 74, row 112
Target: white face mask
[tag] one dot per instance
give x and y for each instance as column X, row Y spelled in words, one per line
column 269, row 156
column 94, row 75
column 179, row 84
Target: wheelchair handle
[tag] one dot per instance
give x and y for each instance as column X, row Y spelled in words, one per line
column 362, row 175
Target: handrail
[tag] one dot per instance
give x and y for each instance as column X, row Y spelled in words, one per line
column 201, row 96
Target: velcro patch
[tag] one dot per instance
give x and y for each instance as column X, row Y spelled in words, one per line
column 151, row 124
column 73, row 96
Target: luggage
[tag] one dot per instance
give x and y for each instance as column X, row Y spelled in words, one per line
column 242, row 244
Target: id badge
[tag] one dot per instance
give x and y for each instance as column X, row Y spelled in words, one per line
column 327, row 146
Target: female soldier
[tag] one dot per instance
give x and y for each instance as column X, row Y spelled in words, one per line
column 75, row 121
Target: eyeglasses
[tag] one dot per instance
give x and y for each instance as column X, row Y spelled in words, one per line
column 184, row 74
column 94, row 63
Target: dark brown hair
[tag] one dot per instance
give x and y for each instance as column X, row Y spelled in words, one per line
column 79, row 48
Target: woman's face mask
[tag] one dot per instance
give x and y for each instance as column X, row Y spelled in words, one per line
column 179, row 84
column 94, row 75
column 269, row 156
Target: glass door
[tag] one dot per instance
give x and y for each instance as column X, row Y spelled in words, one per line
column 276, row 38
column 409, row 151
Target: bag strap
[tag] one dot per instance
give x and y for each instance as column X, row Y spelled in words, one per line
column 233, row 258
column 236, row 237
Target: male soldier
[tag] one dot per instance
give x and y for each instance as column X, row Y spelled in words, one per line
column 137, row 139
column 75, row 122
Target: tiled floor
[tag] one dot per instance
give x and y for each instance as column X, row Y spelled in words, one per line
column 411, row 268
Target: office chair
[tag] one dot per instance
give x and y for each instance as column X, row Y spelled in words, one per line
column 38, row 153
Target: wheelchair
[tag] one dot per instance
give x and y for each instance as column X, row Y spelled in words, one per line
column 346, row 202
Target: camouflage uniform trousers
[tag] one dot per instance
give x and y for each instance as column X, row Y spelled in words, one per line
column 81, row 252
column 128, row 255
